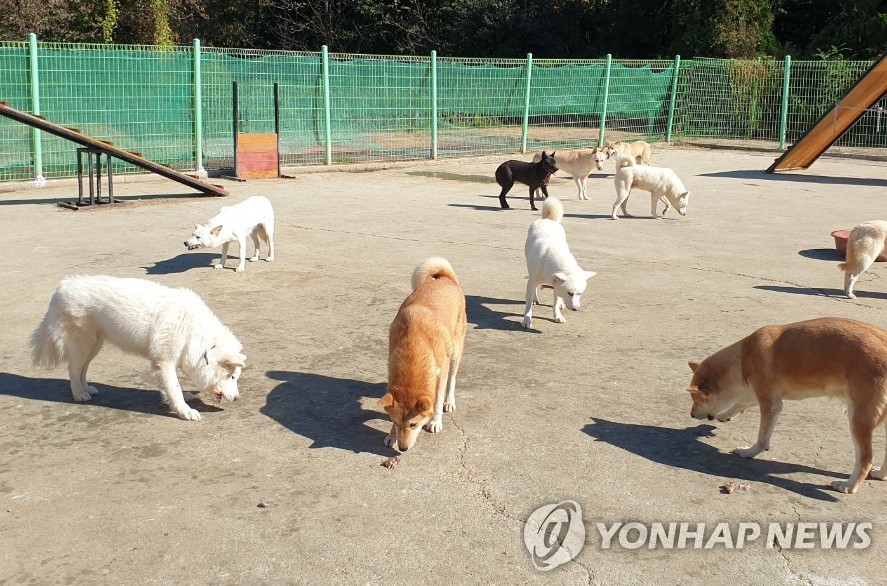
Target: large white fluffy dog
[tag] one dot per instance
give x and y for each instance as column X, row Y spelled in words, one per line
column 663, row 184
column 170, row 327
column 253, row 217
column 579, row 164
column 551, row 264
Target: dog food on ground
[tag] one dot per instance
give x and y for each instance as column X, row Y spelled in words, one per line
column 391, row 462
column 732, row 487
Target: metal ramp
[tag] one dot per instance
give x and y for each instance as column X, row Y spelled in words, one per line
column 132, row 158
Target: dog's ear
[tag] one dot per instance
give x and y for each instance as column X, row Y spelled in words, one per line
column 560, row 278
column 216, row 231
column 386, row 401
column 552, row 154
column 234, row 360
column 693, row 364
column 589, row 274
column 196, row 225
column 423, row 404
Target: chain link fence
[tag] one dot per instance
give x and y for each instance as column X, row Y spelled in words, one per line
column 174, row 104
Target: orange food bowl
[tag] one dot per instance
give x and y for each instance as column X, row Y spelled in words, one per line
column 841, row 237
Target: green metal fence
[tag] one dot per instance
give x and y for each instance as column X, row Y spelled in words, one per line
column 174, row 104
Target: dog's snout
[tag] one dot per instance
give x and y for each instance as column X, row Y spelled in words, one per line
column 403, row 448
column 185, row 243
column 711, row 417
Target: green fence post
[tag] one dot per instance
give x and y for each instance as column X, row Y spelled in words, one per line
column 434, row 104
column 327, row 123
column 783, row 121
column 600, row 140
column 198, row 110
column 526, row 122
column 674, row 97
column 35, row 109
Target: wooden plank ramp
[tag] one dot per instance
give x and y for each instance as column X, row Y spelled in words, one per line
column 132, row 158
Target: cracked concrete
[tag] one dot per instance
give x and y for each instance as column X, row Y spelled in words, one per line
column 594, row 410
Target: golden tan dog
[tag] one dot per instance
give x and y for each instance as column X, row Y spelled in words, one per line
column 639, row 149
column 825, row 357
column 425, row 343
column 865, row 243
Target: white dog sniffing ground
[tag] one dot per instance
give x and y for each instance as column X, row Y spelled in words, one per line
column 253, row 217
column 173, row 328
column 865, row 243
column 662, row 183
column 826, row 357
column 551, row 264
column 579, row 164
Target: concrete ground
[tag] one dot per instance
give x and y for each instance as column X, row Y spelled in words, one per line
column 285, row 486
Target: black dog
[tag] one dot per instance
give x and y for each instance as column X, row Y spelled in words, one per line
column 533, row 174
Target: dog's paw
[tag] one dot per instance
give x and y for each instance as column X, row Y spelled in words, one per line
column 851, row 296
column 189, row 414
column 528, row 322
column 218, row 265
column 433, row 426
column 391, row 441
column 614, row 217
column 560, row 319
column 189, row 396
column 844, row 486
column 254, row 258
column 879, row 473
column 749, row 452
column 269, row 259
column 91, row 390
column 239, row 268
column 81, row 395
column 449, row 406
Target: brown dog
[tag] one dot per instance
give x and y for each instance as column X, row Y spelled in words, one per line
column 425, row 343
column 825, row 357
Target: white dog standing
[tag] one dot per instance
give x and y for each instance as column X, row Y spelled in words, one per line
column 173, row 328
column 663, row 184
column 550, row 263
column 579, row 164
column 253, row 217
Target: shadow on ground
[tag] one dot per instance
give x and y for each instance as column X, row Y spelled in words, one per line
column 484, row 317
column 823, row 292
column 821, row 254
column 818, row 179
column 121, row 199
column 327, row 410
column 454, row 176
column 684, row 448
column 184, row 262
column 59, row 391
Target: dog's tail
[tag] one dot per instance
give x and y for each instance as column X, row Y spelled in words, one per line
column 852, row 258
column 553, row 209
column 48, row 340
column 625, row 161
column 433, row 268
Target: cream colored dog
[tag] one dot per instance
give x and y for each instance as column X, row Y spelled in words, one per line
column 865, row 243
column 579, row 164
column 825, row 357
column 640, row 150
column 663, row 184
